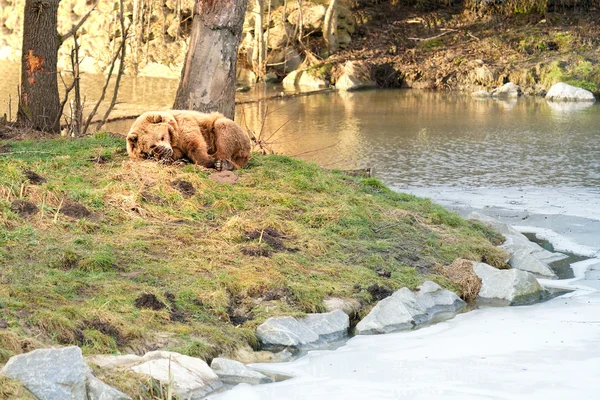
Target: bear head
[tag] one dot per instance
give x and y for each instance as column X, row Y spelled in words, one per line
column 150, row 136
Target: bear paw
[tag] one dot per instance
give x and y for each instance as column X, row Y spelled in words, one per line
column 224, row 165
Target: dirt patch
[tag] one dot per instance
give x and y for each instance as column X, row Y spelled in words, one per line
column 148, row 300
column 184, row 187
column 225, row 177
column 105, row 328
column 267, row 235
column 75, row 210
column 238, row 312
column 175, row 313
column 3, row 324
column 255, row 251
column 34, row 178
column 379, row 292
column 152, row 198
column 24, row 208
column 460, row 272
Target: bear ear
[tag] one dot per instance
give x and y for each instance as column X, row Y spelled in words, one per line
column 132, row 138
column 154, row 118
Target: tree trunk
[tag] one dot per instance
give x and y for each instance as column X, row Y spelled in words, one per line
column 259, row 53
column 330, row 27
column 39, row 102
column 209, row 73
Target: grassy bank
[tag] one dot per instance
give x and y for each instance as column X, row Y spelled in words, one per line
column 121, row 256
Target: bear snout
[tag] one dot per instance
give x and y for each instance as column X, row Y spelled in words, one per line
column 162, row 152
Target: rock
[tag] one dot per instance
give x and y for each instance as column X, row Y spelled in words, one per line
column 480, row 94
column 310, row 331
column 284, row 60
column 344, row 38
column 355, row 76
column 280, row 36
column 311, row 81
column 564, row 92
column 110, row 361
column 245, row 75
column 50, row 373
column 234, row 372
column 525, row 261
column 507, row 287
column 271, row 77
column 246, row 355
column 350, row 306
column 509, row 90
column 312, row 17
column 303, row 78
column 192, row 377
column 58, row 374
column 482, row 75
column 98, row 390
column 523, row 253
column 404, row 309
column 292, row 78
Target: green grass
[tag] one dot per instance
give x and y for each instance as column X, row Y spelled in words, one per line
column 75, row 281
column 580, row 72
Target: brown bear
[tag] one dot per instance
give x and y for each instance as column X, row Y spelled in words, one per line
column 210, row 140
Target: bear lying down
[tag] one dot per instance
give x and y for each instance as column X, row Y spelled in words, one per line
column 210, row 140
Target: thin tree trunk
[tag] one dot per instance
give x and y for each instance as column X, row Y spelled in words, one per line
column 259, row 54
column 330, row 27
column 209, row 72
column 39, row 102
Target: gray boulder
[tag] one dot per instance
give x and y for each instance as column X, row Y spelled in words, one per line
column 507, row 287
column 98, row 390
column 355, row 76
column 509, row 90
column 405, row 310
column 564, row 92
column 192, row 377
column 350, row 306
column 52, row 374
column 526, row 261
column 523, row 253
column 234, row 372
column 310, row 331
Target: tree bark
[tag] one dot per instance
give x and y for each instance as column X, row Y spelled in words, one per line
column 259, row 53
column 39, row 102
column 330, row 27
column 209, row 73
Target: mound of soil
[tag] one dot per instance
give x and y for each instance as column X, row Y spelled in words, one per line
column 75, row 210
column 185, row 188
column 148, row 300
column 33, row 177
column 24, row 208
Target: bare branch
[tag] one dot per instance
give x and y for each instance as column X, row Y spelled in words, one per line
column 75, row 28
column 433, row 37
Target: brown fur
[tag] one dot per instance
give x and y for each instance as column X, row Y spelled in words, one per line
column 210, row 140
